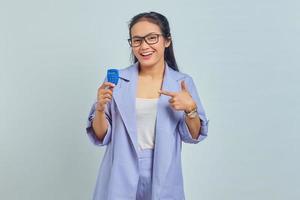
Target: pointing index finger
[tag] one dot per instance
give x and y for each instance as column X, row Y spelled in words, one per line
column 170, row 94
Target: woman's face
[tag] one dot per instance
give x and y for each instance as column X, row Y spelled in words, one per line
column 148, row 55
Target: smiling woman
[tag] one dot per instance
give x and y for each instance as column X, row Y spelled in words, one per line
column 144, row 131
column 155, row 30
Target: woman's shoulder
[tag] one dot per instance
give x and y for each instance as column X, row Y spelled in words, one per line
column 129, row 68
column 179, row 74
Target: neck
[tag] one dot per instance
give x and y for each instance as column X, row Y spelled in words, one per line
column 155, row 71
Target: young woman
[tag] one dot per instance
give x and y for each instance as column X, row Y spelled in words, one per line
column 143, row 119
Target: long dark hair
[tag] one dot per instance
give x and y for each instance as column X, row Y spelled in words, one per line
column 163, row 24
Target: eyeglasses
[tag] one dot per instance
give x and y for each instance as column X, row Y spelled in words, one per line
column 151, row 38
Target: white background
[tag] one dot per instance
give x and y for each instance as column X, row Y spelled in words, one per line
column 242, row 55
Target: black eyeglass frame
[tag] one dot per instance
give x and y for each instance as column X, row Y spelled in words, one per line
column 144, row 38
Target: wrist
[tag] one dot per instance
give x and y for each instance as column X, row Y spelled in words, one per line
column 100, row 111
column 191, row 108
column 99, row 108
column 191, row 112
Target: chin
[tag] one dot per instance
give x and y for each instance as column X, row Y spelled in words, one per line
column 147, row 63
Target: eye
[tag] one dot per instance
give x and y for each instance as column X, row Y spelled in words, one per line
column 151, row 38
column 136, row 40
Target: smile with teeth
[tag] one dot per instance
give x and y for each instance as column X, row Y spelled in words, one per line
column 146, row 53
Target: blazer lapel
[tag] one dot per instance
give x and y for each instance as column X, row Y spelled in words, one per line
column 124, row 95
column 166, row 122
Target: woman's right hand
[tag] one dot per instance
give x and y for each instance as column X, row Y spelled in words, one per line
column 104, row 95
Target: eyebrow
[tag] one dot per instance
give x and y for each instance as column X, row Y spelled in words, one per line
column 137, row 36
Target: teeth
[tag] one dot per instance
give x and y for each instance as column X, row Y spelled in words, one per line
column 146, row 54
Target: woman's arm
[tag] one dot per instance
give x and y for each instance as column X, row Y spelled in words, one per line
column 100, row 125
column 194, row 126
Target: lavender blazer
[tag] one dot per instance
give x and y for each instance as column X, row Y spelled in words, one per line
column 118, row 174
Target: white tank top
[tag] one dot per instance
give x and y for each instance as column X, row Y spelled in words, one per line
column 145, row 118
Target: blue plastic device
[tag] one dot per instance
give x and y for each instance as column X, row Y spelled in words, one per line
column 113, row 76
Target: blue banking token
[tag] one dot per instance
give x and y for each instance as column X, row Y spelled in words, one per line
column 113, row 76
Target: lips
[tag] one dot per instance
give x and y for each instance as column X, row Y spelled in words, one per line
column 146, row 55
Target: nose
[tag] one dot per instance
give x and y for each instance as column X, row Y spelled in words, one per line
column 144, row 44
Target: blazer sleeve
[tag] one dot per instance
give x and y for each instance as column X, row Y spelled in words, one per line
column 183, row 128
column 90, row 130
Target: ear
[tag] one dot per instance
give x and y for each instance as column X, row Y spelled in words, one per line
column 168, row 42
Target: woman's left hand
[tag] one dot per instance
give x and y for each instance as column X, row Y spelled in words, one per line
column 180, row 100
